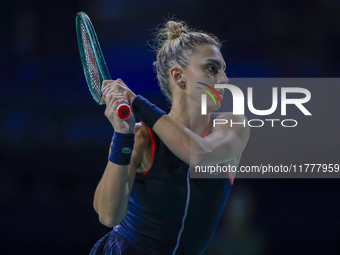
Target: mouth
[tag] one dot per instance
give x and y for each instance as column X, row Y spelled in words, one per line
column 220, row 95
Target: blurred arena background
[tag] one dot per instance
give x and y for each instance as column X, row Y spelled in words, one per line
column 55, row 139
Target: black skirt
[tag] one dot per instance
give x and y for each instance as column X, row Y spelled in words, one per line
column 113, row 244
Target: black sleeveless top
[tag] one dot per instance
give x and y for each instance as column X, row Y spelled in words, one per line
column 170, row 213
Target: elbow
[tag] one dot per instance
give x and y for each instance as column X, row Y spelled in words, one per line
column 198, row 159
column 210, row 157
column 111, row 220
column 204, row 155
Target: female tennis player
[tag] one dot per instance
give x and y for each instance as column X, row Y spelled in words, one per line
column 146, row 193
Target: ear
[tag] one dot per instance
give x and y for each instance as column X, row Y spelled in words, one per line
column 177, row 75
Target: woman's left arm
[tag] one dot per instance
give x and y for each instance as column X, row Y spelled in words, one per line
column 224, row 144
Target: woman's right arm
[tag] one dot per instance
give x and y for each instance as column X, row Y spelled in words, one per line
column 113, row 191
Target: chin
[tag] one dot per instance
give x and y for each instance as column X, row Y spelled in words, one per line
column 213, row 107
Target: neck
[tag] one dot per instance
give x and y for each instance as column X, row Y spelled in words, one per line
column 192, row 120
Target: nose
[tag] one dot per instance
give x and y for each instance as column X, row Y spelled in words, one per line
column 222, row 78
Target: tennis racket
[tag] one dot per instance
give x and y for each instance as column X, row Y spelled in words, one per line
column 93, row 62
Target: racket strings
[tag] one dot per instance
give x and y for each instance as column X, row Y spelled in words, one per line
column 91, row 64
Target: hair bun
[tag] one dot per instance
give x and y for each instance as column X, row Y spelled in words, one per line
column 175, row 29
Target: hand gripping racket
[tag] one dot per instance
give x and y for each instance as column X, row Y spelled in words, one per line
column 93, row 62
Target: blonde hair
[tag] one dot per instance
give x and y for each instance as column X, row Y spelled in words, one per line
column 175, row 44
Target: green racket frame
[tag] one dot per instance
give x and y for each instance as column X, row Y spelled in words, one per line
column 100, row 61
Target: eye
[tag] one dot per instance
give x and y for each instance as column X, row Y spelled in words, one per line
column 212, row 68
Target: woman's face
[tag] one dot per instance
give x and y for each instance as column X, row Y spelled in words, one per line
column 207, row 65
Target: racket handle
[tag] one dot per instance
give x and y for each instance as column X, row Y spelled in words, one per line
column 123, row 111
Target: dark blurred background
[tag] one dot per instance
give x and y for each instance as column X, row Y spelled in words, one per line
column 55, row 139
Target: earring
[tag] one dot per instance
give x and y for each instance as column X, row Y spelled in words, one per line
column 183, row 84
